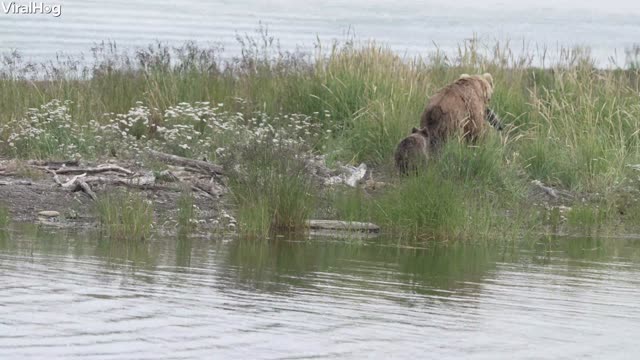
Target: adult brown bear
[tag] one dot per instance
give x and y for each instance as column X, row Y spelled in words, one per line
column 412, row 151
column 458, row 108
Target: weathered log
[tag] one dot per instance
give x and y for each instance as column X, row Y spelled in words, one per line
column 82, row 182
column 77, row 183
column 202, row 192
column 81, row 185
column 139, row 181
column 7, row 170
column 200, row 165
column 54, row 164
column 55, row 176
column 208, row 187
column 71, row 183
column 342, row 225
column 17, row 182
column 554, row 193
column 94, row 170
column 49, row 213
column 548, row 190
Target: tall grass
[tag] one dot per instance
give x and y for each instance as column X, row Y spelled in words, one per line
column 273, row 190
column 125, row 216
column 466, row 192
column 586, row 132
column 186, row 212
column 436, row 211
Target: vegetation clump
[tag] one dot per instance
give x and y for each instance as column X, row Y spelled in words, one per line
column 125, row 216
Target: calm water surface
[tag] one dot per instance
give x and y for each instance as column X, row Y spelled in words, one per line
column 410, row 27
column 77, row 297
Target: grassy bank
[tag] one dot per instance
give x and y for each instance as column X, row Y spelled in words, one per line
column 570, row 125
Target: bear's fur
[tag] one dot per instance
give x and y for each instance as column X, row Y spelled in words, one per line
column 412, row 151
column 458, row 108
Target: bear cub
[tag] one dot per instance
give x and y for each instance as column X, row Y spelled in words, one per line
column 412, row 151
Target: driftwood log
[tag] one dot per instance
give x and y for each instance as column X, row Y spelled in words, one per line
column 141, row 181
column 199, row 176
column 202, row 166
column 76, row 183
column 336, row 225
column 83, row 178
column 554, row 193
column 53, row 164
column 93, row 170
column 17, row 182
column 85, row 170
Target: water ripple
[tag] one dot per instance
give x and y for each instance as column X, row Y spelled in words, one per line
column 62, row 302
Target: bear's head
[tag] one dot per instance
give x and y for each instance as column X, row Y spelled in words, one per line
column 421, row 131
column 485, row 82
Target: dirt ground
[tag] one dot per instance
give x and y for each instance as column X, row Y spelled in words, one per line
column 27, row 193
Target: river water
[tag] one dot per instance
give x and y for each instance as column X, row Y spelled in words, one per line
column 411, row 27
column 73, row 296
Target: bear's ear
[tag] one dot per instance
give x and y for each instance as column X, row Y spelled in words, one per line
column 487, row 86
column 489, row 78
column 424, row 131
column 414, row 130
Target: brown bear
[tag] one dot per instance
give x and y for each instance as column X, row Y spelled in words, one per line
column 458, row 108
column 412, row 151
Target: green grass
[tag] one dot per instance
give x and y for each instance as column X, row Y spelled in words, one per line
column 436, row 209
column 186, row 212
column 587, row 218
column 125, row 216
column 570, row 125
column 272, row 191
column 464, row 193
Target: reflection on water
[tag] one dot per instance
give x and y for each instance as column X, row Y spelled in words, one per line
column 68, row 295
column 272, row 266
